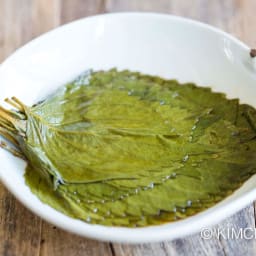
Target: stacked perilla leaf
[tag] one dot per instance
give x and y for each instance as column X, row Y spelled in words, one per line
column 121, row 148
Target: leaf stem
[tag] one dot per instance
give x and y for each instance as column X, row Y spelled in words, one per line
column 19, row 103
column 13, row 103
column 6, row 115
column 8, row 136
column 11, row 150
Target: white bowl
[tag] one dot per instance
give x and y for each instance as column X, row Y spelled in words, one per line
column 164, row 45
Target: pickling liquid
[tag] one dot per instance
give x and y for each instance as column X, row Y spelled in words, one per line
column 136, row 150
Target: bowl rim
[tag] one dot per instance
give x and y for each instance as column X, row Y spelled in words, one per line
column 144, row 234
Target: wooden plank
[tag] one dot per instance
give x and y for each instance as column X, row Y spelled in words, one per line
column 223, row 243
column 242, row 23
column 2, row 29
column 77, row 9
column 141, row 5
column 45, row 16
column 19, row 228
column 12, row 33
column 57, row 242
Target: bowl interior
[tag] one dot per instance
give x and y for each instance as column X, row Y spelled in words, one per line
column 162, row 45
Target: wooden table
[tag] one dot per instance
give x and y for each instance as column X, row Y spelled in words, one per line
column 23, row 233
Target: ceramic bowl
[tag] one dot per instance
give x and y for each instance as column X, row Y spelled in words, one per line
column 164, row 45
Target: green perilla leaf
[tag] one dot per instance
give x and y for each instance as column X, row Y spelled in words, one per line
column 126, row 149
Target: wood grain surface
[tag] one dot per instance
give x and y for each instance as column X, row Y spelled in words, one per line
column 23, row 233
